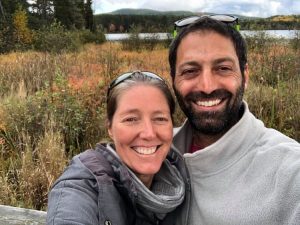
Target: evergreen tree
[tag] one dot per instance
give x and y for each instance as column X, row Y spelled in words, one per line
column 10, row 6
column 2, row 15
column 70, row 13
column 42, row 12
column 89, row 17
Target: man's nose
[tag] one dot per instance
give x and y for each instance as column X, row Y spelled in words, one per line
column 206, row 82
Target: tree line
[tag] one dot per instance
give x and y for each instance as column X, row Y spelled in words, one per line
column 145, row 23
column 22, row 22
column 165, row 23
column 58, row 25
column 71, row 13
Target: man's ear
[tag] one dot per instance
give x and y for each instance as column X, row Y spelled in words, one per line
column 246, row 75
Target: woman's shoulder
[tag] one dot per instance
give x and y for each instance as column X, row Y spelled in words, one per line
column 96, row 161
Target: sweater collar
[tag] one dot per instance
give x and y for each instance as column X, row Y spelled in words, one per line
column 167, row 191
column 224, row 152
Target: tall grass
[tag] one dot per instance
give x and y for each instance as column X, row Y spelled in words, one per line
column 52, row 106
column 274, row 93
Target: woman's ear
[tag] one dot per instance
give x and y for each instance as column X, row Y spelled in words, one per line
column 109, row 129
column 110, row 134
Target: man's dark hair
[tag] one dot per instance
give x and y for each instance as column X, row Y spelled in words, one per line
column 208, row 24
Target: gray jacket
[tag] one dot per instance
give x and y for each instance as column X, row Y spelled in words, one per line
column 97, row 188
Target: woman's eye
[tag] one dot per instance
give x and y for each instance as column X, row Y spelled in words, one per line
column 130, row 119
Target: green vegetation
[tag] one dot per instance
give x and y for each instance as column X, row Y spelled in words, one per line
column 51, row 26
column 158, row 21
column 148, row 23
column 136, row 43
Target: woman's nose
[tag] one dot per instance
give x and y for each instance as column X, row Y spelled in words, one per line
column 147, row 130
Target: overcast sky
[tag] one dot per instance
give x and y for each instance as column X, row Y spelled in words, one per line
column 260, row 8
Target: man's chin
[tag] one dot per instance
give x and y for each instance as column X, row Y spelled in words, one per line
column 209, row 126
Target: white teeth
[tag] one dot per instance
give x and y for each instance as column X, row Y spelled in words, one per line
column 145, row 150
column 209, row 103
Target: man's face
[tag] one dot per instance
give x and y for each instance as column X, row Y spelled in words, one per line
column 208, row 82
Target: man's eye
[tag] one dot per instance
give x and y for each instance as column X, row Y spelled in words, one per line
column 189, row 72
column 161, row 119
column 224, row 68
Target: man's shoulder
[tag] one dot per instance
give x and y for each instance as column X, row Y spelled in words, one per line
column 274, row 137
column 275, row 142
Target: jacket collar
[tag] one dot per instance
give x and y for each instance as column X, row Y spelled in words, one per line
column 167, row 191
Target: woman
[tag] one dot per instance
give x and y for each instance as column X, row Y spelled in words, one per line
column 135, row 180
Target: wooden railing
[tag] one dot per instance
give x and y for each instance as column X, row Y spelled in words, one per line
column 19, row 216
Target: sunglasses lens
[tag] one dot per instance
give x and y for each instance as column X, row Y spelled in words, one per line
column 224, row 18
column 119, row 79
column 186, row 21
column 152, row 75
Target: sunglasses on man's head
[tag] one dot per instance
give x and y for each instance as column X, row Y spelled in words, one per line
column 227, row 19
column 125, row 76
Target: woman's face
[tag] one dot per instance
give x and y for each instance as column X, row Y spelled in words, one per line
column 142, row 129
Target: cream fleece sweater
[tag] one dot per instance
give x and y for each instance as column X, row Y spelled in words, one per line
column 251, row 176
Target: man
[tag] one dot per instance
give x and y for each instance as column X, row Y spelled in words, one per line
column 241, row 172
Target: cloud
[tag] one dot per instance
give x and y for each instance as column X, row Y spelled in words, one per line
column 260, row 8
column 101, row 6
column 169, row 5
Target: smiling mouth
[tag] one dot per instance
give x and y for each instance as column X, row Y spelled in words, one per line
column 146, row 150
column 209, row 103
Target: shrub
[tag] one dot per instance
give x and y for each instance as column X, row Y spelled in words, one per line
column 6, row 37
column 86, row 36
column 137, row 43
column 276, row 107
column 271, row 60
column 295, row 41
column 260, row 42
column 73, row 114
column 55, row 39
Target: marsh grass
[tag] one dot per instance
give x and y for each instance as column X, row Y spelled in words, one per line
column 52, row 106
column 274, row 92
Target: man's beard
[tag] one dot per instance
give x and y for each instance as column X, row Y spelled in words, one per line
column 212, row 122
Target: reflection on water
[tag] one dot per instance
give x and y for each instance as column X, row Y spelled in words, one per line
column 288, row 34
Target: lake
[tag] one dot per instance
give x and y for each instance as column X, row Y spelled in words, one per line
column 287, row 34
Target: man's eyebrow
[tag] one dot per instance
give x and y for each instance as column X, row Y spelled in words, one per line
column 224, row 59
column 189, row 63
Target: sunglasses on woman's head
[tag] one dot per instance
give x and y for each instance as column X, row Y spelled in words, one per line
column 125, row 76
